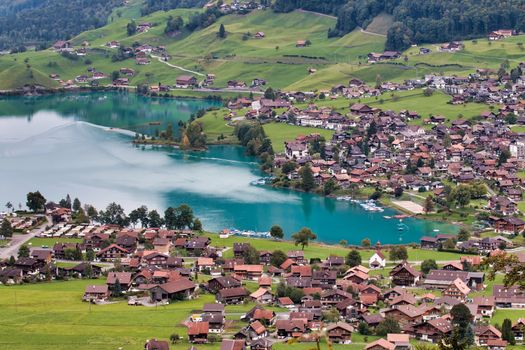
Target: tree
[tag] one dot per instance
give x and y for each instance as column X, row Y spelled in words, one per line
column 222, row 31
column 251, row 255
column 399, row 37
column 6, row 229
column 307, row 178
column 9, row 205
column 506, row 332
column 427, row 265
column 363, row 328
column 183, row 216
column 398, row 192
column 303, row 237
column 276, row 232
column 510, row 265
column 278, row 257
column 461, row 321
column 35, row 201
column 365, row 243
column 90, row 255
column 114, row 215
column 388, row 325
column 154, row 219
column 77, row 205
column 503, row 157
column 23, row 251
column 463, row 235
column 269, row 94
column 398, row 253
column 116, row 291
column 131, row 28
column 196, row 225
column 353, row 258
column 429, row 204
column 330, row 186
column 331, row 315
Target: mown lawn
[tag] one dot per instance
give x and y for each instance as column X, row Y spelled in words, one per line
column 39, row 242
column 280, row 132
column 52, row 316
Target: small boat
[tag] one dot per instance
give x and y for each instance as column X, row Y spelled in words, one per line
column 154, row 123
column 387, row 217
column 435, row 230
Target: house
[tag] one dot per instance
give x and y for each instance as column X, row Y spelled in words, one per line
column 215, row 315
column 185, row 81
column 405, row 315
column 198, row 332
column 404, row 275
column 162, row 245
column 262, row 295
column 518, row 328
column 290, row 328
column 155, row 344
column 401, row 341
column 433, row 330
column 457, row 289
column 252, row 272
column 485, row 305
column 340, row 333
column 232, row 295
column 112, row 252
column 180, row 289
column 96, row 293
column 483, row 334
column 360, row 108
column 261, row 344
column 508, row 297
column 380, row 344
column 228, row 344
column 500, row 34
column 224, row 282
column 43, row 255
column 377, row 261
column 122, row 278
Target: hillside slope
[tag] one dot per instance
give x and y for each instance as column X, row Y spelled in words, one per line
column 19, row 75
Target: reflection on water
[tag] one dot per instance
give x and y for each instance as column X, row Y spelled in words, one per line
column 57, row 154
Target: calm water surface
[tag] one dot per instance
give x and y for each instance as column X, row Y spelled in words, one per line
column 58, row 145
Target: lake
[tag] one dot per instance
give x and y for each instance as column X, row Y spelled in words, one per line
column 62, row 144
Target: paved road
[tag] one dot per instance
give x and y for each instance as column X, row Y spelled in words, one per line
column 18, row 240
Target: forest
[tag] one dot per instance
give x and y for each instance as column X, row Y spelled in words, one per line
column 41, row 22
column 164, row 5
column 417, row 21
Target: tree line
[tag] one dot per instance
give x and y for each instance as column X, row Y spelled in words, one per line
column 41, row 23
column 416, row 21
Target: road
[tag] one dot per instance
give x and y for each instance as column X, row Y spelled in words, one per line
column 19, row 239
column 174, row 66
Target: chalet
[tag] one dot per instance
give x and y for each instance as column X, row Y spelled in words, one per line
column 405, row 315
column 360, row 108
column 483, row 334
column 142, row 61
column 155, row 344
column 229, row 344
column 239, row 249
column 122, row 278
column 340, row 333
column 457, row 289
column 502, row 205
column 510, row 224
column 129, row 72
column 500, row 34
column 224, row 282
column 112, row 252
column 404, row 275
column 290, row 328
column 186, row 81
column 61, row 45
column 180, row 289
column 518, row 328
column 96, row 293
column 83, row 270
column 252, row 272
column 198, row 332
column 285, row 302
column 261, row 344
column 433, row 330
column 29, row 266
column 95, row 240
column 429, row 242
column 380, row 344
column 43, row 255
column 259, row 35
column 401, row 341
column 128, row 242
column 155, row 259
column 485, row 305
column 262, row 296
column 232, row 295
column 508, row 297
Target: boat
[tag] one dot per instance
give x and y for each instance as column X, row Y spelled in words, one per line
column 435, row 230
column 154, row 123
column 387, row 217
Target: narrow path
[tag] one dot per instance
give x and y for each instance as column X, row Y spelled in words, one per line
column 177, row 67
column 317, row 13
column 364, row 31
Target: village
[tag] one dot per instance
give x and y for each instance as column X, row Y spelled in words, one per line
column 291, row 297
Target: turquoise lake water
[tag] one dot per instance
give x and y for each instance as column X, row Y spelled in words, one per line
column 59, row 145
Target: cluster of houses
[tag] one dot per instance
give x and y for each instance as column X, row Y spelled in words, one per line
column 407, row 150
column 152, row 266
column 239, row 7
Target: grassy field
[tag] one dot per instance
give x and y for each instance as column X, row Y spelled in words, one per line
column 315, row 250
column 279, row 133
column 38, row 242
